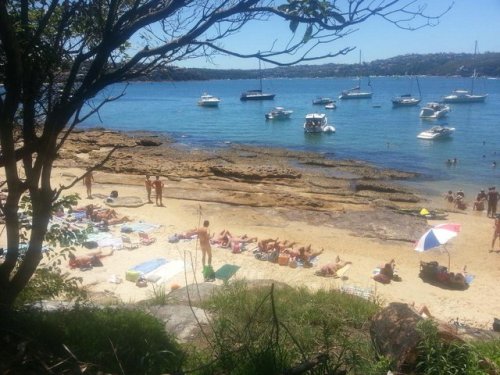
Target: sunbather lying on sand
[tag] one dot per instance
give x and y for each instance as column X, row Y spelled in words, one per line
column 330, row 269
column 88, row 260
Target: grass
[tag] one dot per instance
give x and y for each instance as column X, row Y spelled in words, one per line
column 269, row 331
column 116, row 341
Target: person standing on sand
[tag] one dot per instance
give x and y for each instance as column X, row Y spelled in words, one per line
column 87, row 181
column 492, row 202
column 158, row 185
column 149, row 184
column 204, row 238
column 496, row 232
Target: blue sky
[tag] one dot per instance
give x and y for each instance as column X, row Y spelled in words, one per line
column 457, row 31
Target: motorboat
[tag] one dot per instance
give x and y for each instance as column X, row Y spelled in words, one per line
column 317, row 123
column 464, row 96
column 434, row 110
column 436, row 132
column 330, row 106
column 320, row 100
column 257, row 94
column 278, row 113
column 208, row 101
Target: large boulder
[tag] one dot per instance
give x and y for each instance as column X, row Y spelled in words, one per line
column 395, row 335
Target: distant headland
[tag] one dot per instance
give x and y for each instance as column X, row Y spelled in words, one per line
column 437, row 64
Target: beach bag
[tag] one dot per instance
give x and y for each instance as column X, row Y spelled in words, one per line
column 173, row 239
column 208, row 273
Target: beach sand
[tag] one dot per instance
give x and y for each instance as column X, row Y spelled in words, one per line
column 475, row 306
column 347, row 208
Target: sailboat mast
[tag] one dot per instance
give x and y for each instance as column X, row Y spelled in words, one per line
column 474, row 72
column 260, row 75
column 359, row 73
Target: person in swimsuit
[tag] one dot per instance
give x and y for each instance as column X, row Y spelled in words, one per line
column 87, row 181
column 204, row 238
column 158, row 185
column 149, row 184
column 496, row 232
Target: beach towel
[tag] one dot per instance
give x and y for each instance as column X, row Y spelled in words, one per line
column 226, row 271
column 165, row 272
column 366, row 293
column 149, row 265
column 139, row 227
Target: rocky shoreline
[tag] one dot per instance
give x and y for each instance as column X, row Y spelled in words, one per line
column 301, row 186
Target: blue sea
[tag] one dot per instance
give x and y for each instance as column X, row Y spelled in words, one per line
column 369, row 129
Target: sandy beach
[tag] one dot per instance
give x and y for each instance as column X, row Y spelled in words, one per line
column 190, row 199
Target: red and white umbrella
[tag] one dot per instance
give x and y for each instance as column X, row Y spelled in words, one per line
column 437, row 236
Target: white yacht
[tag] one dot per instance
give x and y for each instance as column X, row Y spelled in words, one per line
column 464, row 96
column 355, row 92
column 434, row 110
column 317, row 123
column 330, row 106
column 436, row 132
column 278, row 113
column 209, row 101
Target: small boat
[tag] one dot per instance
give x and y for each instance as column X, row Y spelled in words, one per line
column 320, row 100
column 464, row 96
column 436, row 132
column 330, row 106
column 434, row 110
column 278, row 113
column 257, row 94
column 355, row 92
column 317, row 123
column 208, row 101
column 407, row 100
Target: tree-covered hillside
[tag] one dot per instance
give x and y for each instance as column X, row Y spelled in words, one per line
column 439, row 64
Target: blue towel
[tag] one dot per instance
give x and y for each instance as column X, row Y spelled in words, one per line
column 149, row 265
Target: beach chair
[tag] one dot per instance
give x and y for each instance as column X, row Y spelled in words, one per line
column 146, row 239
column 128, row 243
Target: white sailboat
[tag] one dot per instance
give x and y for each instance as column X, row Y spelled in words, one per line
column 466, row 96
column 355, row 92
column 407, row 100
column 257, row 94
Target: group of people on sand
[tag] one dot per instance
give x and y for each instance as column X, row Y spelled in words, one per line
column 483, row 199
column 158, row 185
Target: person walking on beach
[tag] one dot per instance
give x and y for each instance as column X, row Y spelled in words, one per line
column 496, row 232
column 206, row 249
column 87, row 181
column 492, row 202
column 149, row 184
column 158, row 185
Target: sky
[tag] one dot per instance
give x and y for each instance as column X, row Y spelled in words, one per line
column 468, row 21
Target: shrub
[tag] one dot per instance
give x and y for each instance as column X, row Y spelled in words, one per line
column 110, row 340
column 267, row 331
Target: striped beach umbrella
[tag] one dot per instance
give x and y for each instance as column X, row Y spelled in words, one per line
column 437, row 236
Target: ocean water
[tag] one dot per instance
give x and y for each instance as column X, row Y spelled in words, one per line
column 368, row 129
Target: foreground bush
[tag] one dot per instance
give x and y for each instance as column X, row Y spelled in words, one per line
column 269, row 331
column 114, row 341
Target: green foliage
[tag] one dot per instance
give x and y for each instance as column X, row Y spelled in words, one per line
column 47, row 284
column 438, row 357
column 488, row 349
column 159, row 295
column 114, row 341
column 261, row 332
